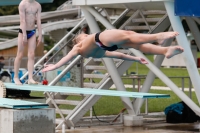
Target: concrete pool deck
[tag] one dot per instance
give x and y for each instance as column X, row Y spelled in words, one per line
column 150, row 128
column 150, row 125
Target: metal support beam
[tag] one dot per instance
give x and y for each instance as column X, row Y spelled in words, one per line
column 151, row 76
column 187, row 54
column 194, row 30
column 111, row 68
column 197, row 20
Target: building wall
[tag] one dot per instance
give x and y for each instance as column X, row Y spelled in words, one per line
column 12, row 52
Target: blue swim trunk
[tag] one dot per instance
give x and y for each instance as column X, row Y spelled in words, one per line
column 29, row 33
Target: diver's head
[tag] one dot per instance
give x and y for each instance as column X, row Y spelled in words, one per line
column 79, row 38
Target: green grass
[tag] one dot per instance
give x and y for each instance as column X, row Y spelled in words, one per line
column 109, row 105
column 169, row 72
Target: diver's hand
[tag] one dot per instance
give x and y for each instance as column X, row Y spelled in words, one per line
column 48, row 67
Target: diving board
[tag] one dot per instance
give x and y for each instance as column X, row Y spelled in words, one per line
column 64, row 89
column 16, row 2
column 21, row 104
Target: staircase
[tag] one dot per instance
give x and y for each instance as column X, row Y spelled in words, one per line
column 96, row 75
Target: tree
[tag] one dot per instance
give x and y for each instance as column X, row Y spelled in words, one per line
column 52, row 6
column 13, row 10
column 8, row 10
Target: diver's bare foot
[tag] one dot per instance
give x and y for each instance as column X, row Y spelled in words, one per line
column 166, row 35
column 173, row 50
column 32, row 82
column 17, row 81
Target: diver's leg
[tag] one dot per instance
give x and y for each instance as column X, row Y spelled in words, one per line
column 17, row 62
column 121, row 37
column 158, row 50
column 31, row 58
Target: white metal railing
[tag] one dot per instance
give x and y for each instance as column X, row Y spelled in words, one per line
column 58, row 44
column 138, row 78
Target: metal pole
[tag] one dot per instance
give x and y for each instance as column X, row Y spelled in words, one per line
column 68, row 68
column 133, row 84
column 121, row 16
column 100, row 17
column 187, row 54
column 194, row 30
column 146, row 106
column 190, row 88
column 63, row 128
column 182, row 84
column 196, row 19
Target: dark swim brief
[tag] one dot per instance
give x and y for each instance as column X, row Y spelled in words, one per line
column 100, row 44
column 29, row 33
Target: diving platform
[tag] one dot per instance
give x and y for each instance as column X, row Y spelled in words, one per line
column 182, row 7
column 85, row 91
column 27, row 120
column 118, row 4
column 20, row 104
column 16, row 2
column 20, row 116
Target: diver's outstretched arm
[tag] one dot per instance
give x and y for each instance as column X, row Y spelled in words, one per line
column 122, row 56
column 73, row 53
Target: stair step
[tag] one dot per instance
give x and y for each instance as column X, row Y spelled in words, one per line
column 154, row 12
column 90, row 85
column 72, row 94
column 100, row 76
column 92, row 61
column 69, row 102
column 64, row 111
column 58, row 121
column 138, row 27
column 91, row 67
column 97, row 59
column 136, row 20
column 125, row 51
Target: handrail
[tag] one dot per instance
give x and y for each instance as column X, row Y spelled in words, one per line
column 121, row 16
column 78, row 58
column 139, row 77
column 144, row 76
column 52, row 49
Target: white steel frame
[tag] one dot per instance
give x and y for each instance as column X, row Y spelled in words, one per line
column 182, row 41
